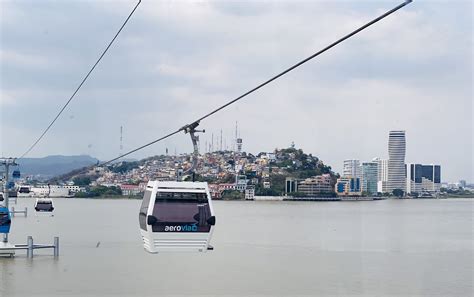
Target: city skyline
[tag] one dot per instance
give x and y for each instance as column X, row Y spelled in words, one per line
column 175, row 62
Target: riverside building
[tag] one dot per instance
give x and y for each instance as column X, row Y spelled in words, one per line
column 423, row 178
column 351, row 168
column 396, row 161
column 369, row 177
column 348, row 186
column 311, row 187
column 316, row 185
column 382, row 174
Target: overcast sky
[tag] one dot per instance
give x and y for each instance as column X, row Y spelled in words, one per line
column 176, row 60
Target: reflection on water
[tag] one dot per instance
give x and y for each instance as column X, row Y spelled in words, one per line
column 378, row 248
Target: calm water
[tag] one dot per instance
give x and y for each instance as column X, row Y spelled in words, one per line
column 374, row 248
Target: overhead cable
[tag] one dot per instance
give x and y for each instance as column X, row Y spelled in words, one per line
column 80, row 85
column 196, row 122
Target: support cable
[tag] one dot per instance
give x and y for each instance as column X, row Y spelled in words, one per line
column 196, row 122
column 80, row 85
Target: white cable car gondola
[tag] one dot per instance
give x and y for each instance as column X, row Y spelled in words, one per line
column 44, row 205
column 176, row 216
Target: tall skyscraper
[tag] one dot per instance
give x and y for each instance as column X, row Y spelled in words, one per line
column 369, row 177
column 396, row 161
column 351, row 168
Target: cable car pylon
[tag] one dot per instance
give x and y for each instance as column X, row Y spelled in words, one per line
column 191, row 129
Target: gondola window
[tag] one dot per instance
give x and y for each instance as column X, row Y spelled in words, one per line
column 181, row 212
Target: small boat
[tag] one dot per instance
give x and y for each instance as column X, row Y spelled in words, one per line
column 176, row 216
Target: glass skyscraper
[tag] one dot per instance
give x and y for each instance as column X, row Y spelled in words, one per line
column 369, row 177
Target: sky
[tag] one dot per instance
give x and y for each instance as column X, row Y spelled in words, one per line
column 177, row 60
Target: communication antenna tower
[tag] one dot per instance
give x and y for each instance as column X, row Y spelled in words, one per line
column 121, row 140
column 221, row 141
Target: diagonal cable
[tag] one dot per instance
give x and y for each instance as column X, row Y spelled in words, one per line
column 270, row 80
column 80, row 85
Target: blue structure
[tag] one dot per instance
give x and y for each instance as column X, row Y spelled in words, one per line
column 5, row 220
column 355, row 185
column 348, row 186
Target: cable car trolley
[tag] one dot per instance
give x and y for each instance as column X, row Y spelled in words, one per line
column 176, row 216
column 16, row 174
column 5, row 220
column 44, row 205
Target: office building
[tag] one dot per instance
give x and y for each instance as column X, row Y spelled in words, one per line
column 313, row 186
column 382, row 174
column 351, row 168
column 348, row 186
column 316, row 185
column 423, row 178
column 369, row 177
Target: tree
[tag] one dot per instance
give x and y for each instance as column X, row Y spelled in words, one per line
column 99, row 191
column 261, row 191
column 398, row 193
column 277, row 182
column 123, row 167
column 82, row 181
column 233, row 195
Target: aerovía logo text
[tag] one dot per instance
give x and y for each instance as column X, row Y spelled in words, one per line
column 181, row 228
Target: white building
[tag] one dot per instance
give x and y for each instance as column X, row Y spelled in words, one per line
column 250, row 193
column 396, row 161
column 72, row 188
column 382, row 174
column 50, row 191
column 351, row 168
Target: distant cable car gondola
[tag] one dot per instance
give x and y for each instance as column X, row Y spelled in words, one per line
column 5, row 220
column 16, row 174
column 44, row 205
column 176, row 216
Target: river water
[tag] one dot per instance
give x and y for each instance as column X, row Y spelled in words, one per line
column 367, row 248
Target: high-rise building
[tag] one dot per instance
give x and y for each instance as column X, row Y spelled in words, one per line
column 369, row 177
column 351, row 168
column 396, row 161
column 382, row 174
column 382, row 169
column 423, row 178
